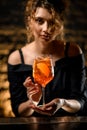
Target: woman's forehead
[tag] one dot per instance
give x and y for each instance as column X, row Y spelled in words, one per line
column 42, row 12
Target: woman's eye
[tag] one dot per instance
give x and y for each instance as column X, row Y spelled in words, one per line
column 39, row 20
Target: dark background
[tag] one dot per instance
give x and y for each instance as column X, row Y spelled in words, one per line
column 12, row 36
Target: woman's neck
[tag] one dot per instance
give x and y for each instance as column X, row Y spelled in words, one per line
column 55, row 48
column 39, row 48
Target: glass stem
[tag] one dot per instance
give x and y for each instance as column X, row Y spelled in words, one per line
column 43, row 95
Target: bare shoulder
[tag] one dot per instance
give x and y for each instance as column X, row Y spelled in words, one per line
column 14, row 58
column 74, row 49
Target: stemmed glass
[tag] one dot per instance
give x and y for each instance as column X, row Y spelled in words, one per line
column 43, row 72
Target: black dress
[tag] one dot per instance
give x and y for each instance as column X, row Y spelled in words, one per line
column 68, row 82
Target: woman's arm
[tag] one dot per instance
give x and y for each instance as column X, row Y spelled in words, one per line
column 21, row 96
column 19, row 100
column 25, row 109
column 71, row 105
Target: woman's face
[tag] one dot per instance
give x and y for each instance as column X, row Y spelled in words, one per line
column 42, row 26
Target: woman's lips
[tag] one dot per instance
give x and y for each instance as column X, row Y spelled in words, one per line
column 46, row 37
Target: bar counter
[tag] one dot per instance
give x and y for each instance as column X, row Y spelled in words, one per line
column 44, row 123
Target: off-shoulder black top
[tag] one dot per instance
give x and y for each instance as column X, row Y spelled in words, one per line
column 68, row 83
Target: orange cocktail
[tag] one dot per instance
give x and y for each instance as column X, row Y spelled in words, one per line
column 43, row 71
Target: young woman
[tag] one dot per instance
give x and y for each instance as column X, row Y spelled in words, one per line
column 65, row 94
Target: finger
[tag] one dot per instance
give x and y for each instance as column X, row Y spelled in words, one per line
column 28, row 78
column 29, row 89
column 33, row 92
column 48, row 105
column 43, row 112
column 39, row 110
column 27, row 81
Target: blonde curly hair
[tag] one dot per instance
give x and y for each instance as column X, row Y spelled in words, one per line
column 52, row 8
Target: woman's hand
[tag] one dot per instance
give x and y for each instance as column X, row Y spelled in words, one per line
column 50, row 108
column 34, row 92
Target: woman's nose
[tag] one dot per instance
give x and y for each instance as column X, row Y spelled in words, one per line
column 45, row 26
